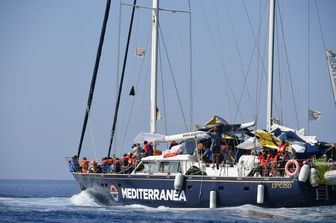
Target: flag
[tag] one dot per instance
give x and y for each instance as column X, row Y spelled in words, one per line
column 331, row 57
column 132, row 91
column 157, row 114
column 314, row 115
column 140, row 52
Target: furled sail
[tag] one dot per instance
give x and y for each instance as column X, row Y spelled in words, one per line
column 331, row 57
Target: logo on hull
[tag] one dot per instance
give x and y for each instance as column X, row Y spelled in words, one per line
column 114, row 192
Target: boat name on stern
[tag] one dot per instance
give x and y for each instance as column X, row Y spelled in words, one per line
column 284, row 185
column 153, row 194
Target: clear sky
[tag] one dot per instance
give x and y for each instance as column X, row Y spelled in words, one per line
column 47, row 54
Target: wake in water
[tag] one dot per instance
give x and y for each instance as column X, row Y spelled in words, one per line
column 83, row 206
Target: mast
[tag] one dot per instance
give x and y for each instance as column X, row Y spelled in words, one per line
column 94, row 76
column 121, row 81
column 270, row 65
column 153, row 93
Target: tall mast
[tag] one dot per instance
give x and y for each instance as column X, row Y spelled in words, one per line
column 94, row 75
column 153, row 97
column 270, row 64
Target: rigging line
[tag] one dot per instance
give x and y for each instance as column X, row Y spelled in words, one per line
column 308, row 60
column 172, row 75
column 255, row 39
column 136, row 87
column 220, row 59
column 121, row 80
column 321, row 31
column 257, row 43
column 118, row 63
column 280, row 74
column 319, row 21
column 95, row 123
column 226, row 100
column 163, row 94
column 94, row 76
column 93, row 141
column 191, row 97
column 258, row 67
column 288, row 67
column 259, row 53
column 245, row 74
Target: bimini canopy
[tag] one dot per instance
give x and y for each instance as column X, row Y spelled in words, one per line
column 150, row 137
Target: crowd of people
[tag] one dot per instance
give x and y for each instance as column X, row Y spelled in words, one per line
column 125, row 164
column 272, row 161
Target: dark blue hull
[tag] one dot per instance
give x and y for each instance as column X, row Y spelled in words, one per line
column 154, row 191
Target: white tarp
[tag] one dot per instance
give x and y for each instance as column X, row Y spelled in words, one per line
column 331, row 57
column 300, row 133
column 250, row 143
column 150, row 137
column 299, row 148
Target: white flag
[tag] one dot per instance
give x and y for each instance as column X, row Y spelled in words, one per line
column 314, row 115
column 331, row 57
column 158, row 114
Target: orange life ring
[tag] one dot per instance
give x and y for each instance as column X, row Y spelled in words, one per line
column 289, row 171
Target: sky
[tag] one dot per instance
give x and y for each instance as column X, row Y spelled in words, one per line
column 47, row 55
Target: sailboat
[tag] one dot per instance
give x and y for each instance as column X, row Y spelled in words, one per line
column 181, row 178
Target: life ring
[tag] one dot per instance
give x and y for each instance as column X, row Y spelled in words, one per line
column 289, row 169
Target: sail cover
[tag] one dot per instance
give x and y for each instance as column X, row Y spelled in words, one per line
column 331, row 57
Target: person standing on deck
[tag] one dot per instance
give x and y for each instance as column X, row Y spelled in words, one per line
column 216, row 139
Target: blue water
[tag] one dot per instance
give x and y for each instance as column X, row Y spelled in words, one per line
column 61, row 201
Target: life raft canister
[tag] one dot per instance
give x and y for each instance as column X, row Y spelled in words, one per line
column 289, row 171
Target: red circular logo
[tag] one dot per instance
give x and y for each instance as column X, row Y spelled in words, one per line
column 114, row 192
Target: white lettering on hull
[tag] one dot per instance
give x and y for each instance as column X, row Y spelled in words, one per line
column 153, row 194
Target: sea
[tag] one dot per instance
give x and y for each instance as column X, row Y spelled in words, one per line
column 62, row 201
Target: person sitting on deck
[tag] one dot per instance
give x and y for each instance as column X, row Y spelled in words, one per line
column 136, row 150
column 148, row 148
column 173, row 143
column 93, row 167
column 84, row 165
column 105, row 164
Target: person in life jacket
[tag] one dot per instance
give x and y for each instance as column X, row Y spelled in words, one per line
column 84, row 165
column 283, row 156
column 264, row 161
column 274, row 157
column 105, row 164
column 93, row 167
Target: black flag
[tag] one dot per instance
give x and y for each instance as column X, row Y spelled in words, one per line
column 132, row 92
